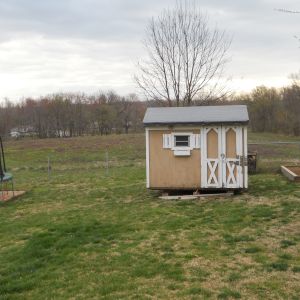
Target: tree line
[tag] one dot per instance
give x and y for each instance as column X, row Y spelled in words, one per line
column 68, row 115
column 273, row 110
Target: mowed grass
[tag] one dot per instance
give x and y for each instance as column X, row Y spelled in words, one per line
column 93, row 233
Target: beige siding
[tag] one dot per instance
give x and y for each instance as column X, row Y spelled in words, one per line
column 212, row 149
column 230, row 143
column 169, row 171
column 231, row 148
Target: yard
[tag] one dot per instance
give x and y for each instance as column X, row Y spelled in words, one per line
column 90, row 232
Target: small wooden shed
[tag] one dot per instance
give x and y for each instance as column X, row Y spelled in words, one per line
column 196, row 148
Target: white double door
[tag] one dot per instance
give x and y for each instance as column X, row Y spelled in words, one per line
column 221, row 157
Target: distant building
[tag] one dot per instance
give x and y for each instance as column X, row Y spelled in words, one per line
column 22, row 131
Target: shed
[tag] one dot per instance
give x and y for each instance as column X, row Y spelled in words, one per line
column 196, row 147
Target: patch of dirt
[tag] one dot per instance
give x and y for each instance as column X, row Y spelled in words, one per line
column 245, row 260
column 78, row 143
column 265, row 150
column 253, row 201
column 292, row 228
column 288, row 279
column 128, row 199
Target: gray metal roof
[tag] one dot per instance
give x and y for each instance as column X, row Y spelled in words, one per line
column 196, row 115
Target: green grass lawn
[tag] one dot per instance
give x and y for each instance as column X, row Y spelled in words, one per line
column 88, row 233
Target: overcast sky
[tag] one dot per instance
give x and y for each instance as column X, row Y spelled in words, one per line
column 91, row 45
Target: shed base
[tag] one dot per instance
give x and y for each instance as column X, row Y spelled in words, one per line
column 189, row 194
column 191, row 191
column 196, row 196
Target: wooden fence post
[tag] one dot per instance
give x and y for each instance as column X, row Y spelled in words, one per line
column 49, row 168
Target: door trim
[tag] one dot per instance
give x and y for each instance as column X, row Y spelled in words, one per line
column 222, row 161
column 205, row 162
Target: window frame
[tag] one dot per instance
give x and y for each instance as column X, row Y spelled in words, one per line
column 174, row 134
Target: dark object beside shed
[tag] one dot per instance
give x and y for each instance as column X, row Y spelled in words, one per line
column 252, row 162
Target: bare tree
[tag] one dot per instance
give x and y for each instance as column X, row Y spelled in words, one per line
column 185, row 57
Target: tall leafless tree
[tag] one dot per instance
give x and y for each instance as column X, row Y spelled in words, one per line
column 185, row 57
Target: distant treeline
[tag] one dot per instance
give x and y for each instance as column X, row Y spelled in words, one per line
column 67, row 115
column 274, row 110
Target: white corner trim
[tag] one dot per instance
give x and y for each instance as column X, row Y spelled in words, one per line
column 221, row 151
column 203, row 164
column 246, row 156
column 147, row 159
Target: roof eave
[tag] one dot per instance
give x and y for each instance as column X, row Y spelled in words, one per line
column 154, row 124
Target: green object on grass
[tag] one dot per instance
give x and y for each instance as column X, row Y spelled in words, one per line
column 7, row 177
column 4, row 175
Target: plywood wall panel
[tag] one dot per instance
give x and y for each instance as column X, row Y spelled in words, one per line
column 212, row 144
column 230, row 143
column 169, row 171
column 231, row 148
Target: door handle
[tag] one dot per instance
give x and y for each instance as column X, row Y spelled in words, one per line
column 222, row 156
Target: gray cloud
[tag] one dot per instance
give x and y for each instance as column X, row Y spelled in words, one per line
column 88, row 45
column 73, row 18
